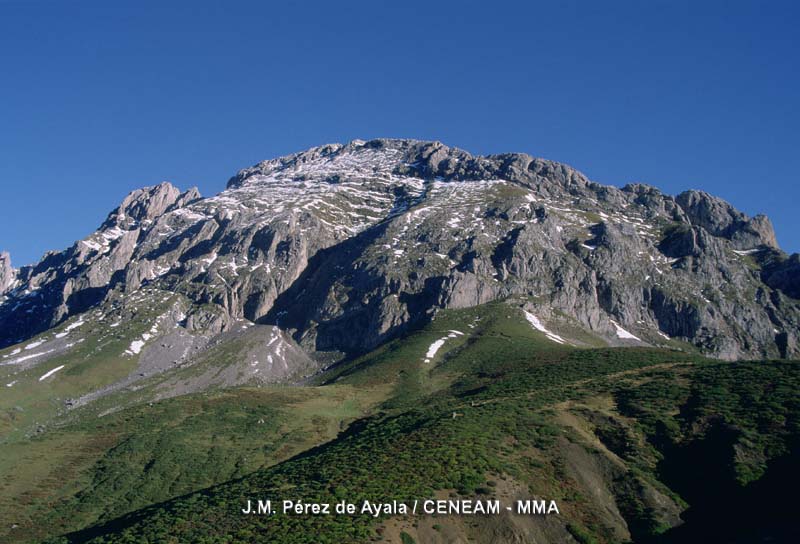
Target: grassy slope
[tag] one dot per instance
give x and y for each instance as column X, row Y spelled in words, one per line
column 99, row 468
column 97, row 359
column 517, row 399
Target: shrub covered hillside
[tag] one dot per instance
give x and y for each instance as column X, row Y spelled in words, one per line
column 634, row 444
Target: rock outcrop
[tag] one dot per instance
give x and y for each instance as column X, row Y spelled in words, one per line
column 7, row 273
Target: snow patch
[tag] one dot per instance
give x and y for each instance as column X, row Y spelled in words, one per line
column 434, row 348
column 48, row 374
column 92, row 245
column 74, row 325
column 431, row 353
column 112, row 234
column 135, row 347
column 539, row 326
column 210, row 259
column 28, row 357
column 622, row 333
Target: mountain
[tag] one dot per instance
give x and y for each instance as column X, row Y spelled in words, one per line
column 347, row 246
column 371, row 309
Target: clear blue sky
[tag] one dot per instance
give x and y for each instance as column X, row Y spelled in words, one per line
column 99, row 98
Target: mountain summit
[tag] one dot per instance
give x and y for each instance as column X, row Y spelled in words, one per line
column 337, row 249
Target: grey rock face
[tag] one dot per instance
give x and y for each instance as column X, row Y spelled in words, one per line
column 144, row 205
column 7, row 273
column 346, row 246
column 721, row 219
column 781, row 272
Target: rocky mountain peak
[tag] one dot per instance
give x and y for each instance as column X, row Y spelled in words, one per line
column 357, row 156
column 408, row 158
column 719, row 218
column 344, row 246
column 147, row 204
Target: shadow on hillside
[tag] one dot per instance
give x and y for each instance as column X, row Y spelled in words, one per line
column 722, row 511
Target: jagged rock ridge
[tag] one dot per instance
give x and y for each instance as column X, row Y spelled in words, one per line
column 346, row 246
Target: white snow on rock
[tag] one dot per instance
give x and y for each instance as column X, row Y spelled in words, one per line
column 112, row 234
column 70, row 328
column 27, row 357
column 622, row 333
column 34, row 344
column 50, row 373
column 135, row 347
column 210, row 259
column 92, row 245
column 189, row 215
column 160, row 271
column 539, row 326
column 74, row 325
